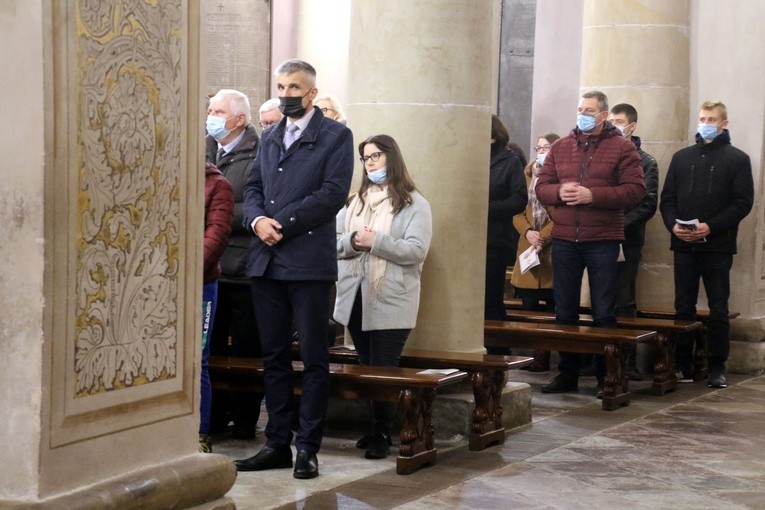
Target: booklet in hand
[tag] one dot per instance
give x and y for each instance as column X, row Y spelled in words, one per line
column 528, row 259
column 690, row 225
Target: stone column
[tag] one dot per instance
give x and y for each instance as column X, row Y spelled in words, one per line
column 100, row 211
column 421, row 72
column 322, row 40
column 639, row 53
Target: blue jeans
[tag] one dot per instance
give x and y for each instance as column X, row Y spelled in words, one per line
column 209, row 300
column 569, row 260
column 714, row 269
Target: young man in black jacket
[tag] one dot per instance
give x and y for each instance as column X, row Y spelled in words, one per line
column 624, row 117
column 708, row 191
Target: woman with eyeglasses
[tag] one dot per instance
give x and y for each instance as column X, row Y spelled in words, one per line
column 330, row 107
column 383, row 236
column 534, row 226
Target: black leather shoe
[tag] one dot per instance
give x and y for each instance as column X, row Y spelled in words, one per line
column 266, row 458
column 306, row 465
column 599, row 392
column 378, row 447
column 561, row 384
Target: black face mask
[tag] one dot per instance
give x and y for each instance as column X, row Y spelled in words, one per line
column 292, row 106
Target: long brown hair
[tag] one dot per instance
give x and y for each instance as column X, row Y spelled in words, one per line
column 400, row 184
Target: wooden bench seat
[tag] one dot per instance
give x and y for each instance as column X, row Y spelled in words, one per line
column 412, row 389
column 668, row 331
column 486, row 373
column 612, row 342
column 700, row 371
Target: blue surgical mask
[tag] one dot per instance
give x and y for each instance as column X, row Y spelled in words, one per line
column 378, row 176
column 216, row 127
column 541, row 159
column 585, row 122
column 708, row 131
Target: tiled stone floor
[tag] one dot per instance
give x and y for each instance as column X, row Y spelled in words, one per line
column 696, row 448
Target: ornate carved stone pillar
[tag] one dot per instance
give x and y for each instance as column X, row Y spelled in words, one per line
column 422, row 73
column 100, row 350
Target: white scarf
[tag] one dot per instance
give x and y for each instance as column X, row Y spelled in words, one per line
column 377, row 214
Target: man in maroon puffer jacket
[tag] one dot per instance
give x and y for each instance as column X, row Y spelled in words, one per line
column 590, row 176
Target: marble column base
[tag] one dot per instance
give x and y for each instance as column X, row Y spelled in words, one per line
column 197, row 481
column 747, row 347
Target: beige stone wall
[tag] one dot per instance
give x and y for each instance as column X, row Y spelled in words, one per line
column 435, row 99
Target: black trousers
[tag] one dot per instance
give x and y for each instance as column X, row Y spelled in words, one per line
column 714, row 270
column 381, row 348
column 280, row 304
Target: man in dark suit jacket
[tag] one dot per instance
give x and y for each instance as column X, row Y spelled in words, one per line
column 298, row 182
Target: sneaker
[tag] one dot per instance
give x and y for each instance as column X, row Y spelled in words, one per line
column 378, row 447
column 205, row 444
column 717, row 380
column 562, row 383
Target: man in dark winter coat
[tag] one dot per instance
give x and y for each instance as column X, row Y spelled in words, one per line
column 624, row 117
column 708, row 191
column 231, row 145
column 591, row 176
column 297, row 185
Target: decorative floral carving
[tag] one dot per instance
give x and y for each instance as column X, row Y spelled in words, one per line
column 128, row 199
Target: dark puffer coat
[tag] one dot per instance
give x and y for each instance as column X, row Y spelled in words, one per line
column 219, row 207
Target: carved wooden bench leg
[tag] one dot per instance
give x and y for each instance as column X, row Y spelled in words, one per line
column 486, row 427
column 700, row 369
column 664, row 378
column 615, row 389
column 417, row 444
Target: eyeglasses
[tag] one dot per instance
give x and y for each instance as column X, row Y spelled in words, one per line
column 375, row 157
column 540, row 148
column 265, row 125
column 325, row 110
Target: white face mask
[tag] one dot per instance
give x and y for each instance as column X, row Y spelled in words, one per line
column 541, row 159
column 623, row 130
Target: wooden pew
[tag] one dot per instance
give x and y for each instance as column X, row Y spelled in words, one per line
column 664, row 379
column 612, row 342
column 700, row 370
column 412, row 389
column 486, row 373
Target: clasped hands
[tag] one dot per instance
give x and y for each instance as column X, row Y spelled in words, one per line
column 363, row 240
column 268, row 230
column 572, row 193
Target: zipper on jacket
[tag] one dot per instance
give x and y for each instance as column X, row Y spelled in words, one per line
column 690, row 184
column 711, row 178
